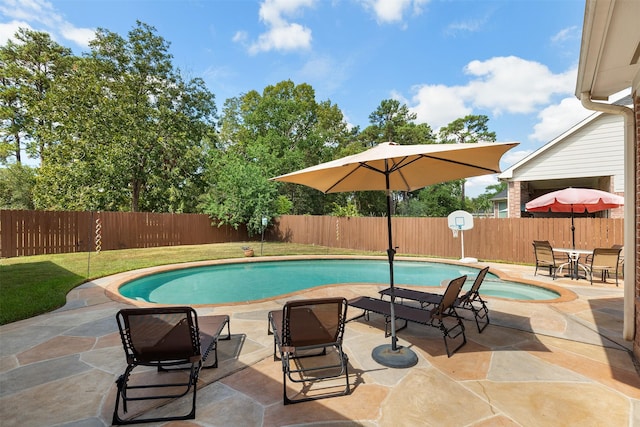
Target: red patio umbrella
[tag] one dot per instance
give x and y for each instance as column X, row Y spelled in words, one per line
column 575, row 200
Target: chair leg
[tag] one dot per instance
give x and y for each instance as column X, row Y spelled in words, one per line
column 344, row 370
column 449, row 333
column 190, row 386
column 481, row 313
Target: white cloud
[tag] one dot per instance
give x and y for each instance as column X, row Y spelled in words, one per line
column 512, row 157
column 8, row 30
column 389, row 11
column 80, row 36
column 467, row 26
column 501, row 84
column 281, row 35
column 477, row 185
column 556, row 119
column 514, row 85
column 285, row 37
column 240, row 37
column 565, row 34
column 41, row 15
column 438, row 105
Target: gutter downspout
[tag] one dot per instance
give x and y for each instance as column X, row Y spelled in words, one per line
column 628, row 326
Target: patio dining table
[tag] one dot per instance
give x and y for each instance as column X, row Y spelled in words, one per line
column 574, row 257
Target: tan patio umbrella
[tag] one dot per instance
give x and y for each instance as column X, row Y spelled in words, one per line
column 389, row 167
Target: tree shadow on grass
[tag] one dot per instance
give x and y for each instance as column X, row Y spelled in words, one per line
column 29, row 289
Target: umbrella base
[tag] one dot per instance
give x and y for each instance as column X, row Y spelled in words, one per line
column 402, row 357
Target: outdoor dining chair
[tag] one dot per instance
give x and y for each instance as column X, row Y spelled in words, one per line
column 606, row 261
column 547, row 258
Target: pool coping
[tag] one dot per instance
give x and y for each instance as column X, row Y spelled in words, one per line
column 112, row 289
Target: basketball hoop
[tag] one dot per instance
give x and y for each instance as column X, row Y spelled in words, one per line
column 459, row 221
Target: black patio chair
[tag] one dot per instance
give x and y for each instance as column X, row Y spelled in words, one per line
column 443, row 316
column 303, row 332
column 169, row 339
column 470, row 300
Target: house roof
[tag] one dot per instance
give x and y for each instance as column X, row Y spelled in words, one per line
column 508, row 173
column 610, row 48
column 503, row 195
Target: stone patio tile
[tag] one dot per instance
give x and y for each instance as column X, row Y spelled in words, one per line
column 96, row 328
column 522, row 366
column 363, row 404
column 262, row 382
column 619, row 358
column 497, row 421
column 471, row 362
column 39, row 373
column 430, row 398
column 110, row 340
column 16, row 341
column 8, row 362
column 73, row 398
column 538, row 404
column 223, row 406
column 625, row 381
column 56, row 347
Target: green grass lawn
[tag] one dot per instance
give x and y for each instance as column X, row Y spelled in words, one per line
column 37, row 284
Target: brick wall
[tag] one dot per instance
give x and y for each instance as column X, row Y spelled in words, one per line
column 514, row 199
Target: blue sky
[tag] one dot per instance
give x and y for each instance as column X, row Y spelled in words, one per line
column 512, row 60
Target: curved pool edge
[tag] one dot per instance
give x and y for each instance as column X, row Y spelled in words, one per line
column 112, row 289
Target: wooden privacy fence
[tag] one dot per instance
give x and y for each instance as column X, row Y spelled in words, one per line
column 50, row 232
column 491, row 239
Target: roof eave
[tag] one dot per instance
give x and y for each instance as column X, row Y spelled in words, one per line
column 610, row 48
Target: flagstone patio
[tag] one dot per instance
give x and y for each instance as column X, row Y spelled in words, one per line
column 537, row 364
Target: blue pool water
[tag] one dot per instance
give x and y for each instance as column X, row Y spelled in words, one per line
column 250, row 281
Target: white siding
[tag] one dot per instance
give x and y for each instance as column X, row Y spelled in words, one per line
column 597, row 149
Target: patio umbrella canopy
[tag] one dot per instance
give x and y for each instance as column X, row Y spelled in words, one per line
column 388, row 167
column 575, row 200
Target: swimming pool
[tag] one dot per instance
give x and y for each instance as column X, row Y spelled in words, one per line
column 251, row 281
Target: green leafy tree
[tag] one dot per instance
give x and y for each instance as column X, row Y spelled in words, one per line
column 16, row 186
column 437, row 200
column 348, row 210
column 132, row 133
column 241, row 195
column 389, row 118
column 284, row 129
column 483, row 203
column 28, row 68
column 469, row 129
column 391, row 121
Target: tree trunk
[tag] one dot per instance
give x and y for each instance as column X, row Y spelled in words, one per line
column 135, row 195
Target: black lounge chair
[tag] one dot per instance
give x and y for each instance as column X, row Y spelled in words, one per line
column 168, row 338
column 470, row 300
column 436, row 317
column 302, row 332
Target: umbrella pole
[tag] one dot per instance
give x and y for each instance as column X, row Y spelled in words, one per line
column 573, row 231
column 391, row 252
column 392, row 355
